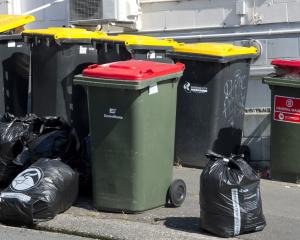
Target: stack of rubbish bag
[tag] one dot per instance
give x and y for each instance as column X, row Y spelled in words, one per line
column 25, row 140
column 39, row 193
column 36, row 158
column 230, row 199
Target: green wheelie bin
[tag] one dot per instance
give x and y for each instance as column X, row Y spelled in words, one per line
column 211, row 99
column 125, row 46
column 57, row 55
column 14, row 65
column 285, row 120
column 132, row 107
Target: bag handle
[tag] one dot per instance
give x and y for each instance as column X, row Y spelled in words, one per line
column 231, row 161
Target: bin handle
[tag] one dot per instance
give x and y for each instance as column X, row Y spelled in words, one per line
column 148, row 71
column 92, row 66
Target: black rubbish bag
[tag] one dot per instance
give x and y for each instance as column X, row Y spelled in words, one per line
column 24, row 140
column 39, row 193
column 55, row 139
column 230, row 199
column 14, row 133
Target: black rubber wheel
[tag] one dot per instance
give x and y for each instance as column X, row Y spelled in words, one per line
column 177, row 193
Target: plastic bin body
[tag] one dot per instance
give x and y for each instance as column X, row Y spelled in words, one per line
column 14, row 65
column 54, row 63
column 125, row 47
column 14, row 74
column 132, row 138
column 210, row 105
column 285, row 127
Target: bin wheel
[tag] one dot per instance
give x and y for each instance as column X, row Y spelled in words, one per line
column 245, row 150
column 177, row 193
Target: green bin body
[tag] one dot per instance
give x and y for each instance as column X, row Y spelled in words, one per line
column 132, row 139
column 285, row 128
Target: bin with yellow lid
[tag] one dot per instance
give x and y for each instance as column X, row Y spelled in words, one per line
column 57, row 54
column 125, row 46
column 14, row 65
column 210, row 100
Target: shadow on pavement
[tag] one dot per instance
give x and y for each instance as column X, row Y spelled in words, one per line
column 186, row 224
column 84, row 202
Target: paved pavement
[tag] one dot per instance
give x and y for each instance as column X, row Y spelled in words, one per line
column 13, row 233
column 280, row 203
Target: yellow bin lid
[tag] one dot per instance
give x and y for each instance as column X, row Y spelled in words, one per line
column 64, row 33
column 214, row 49
column 9, row 22
column 139, row 40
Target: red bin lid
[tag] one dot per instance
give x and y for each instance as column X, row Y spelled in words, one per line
column 135, row 70
column 286, row 63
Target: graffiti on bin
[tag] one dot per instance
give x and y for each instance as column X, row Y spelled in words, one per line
column 234, row 97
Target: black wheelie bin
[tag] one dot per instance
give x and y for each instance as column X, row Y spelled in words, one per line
column 14, row 65
column 211, row 100
column 57, row 55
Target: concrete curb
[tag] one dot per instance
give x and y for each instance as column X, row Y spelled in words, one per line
column 116, row 229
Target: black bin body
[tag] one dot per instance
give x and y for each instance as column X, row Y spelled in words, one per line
column 114, row 51
column 54, row 66
column 14, row 74
column 211, row 100
column 125, row 47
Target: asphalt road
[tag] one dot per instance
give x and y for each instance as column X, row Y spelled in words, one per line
column 12, row 233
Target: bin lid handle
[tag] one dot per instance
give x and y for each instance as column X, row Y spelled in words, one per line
column 92, row 66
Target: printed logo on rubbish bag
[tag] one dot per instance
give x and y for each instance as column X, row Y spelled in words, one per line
column 27, row 179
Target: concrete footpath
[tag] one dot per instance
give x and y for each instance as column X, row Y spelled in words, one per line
column 280, row 204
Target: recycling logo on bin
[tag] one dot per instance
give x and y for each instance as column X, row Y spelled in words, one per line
column 194, row 89
column 27, row 179
column 187, row 87
column 281, row 116
column 112, row 114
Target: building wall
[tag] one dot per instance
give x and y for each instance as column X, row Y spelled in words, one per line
column 3, row 7
column 199, row 19
column 179, row 14
column 54, row 16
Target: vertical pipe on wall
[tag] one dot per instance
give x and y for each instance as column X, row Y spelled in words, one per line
column 14, row 7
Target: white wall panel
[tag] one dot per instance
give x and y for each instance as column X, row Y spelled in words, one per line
column 54, row 16
column 3, row 7
column 216, row 13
